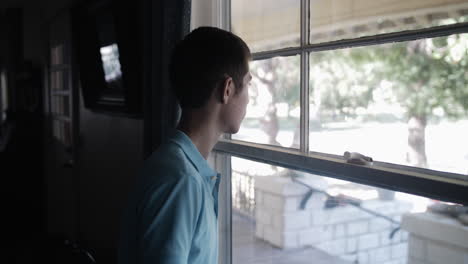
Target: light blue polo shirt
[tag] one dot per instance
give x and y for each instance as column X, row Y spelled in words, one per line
column 171, row 216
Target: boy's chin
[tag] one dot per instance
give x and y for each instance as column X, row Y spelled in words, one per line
column 233, row 131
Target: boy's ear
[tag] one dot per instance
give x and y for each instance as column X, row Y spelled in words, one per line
column 227, row 90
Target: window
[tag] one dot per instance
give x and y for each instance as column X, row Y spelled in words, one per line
column 60, row 96
column 386, row 79
column 287, row 216
column 3, row 97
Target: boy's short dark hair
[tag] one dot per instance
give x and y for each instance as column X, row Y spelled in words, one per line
column 203, row 60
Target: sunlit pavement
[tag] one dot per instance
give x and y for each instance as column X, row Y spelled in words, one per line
column 246, row 249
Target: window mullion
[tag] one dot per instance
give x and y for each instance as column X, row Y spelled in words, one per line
column 268, row 54
column 452, row 187
column 227, row 15
column 401, row 36
column 223, row 166
column 304, row 93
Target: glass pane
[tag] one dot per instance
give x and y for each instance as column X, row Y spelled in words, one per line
column 56, row 55
column 60, row 105
column 62, row 131
column 55, row 129
column 113, row 73
column 343, row 19
column 285, row 216
column 266, row 25
column 3, row 96
column 404, row 103
column 273, row 112
column 58, row 80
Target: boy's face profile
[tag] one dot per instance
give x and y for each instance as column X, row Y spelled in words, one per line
column 237, row 105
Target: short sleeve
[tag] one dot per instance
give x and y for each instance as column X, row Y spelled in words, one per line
column 168, row 218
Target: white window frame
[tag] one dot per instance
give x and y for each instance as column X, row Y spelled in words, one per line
column 425, row 182
column 453, row 186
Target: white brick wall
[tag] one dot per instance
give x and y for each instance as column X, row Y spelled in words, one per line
column 436, row 227
column 263, row 216
column 312, row 236
column 436, row 239
column 352, row 245
column 259, row 230
column 344, row 231
column 290, row 240
column 417, row 247
column 415, row 261
column 363, row 257
column 273, row 201
column 385, row 239
column 379, row 224
column 358, row 227
column 339, row 231
column 399, row 250
column 350, row 257
column 368, row 241
column 272, row 235
column 291, row 221
column 443, row 253
column 259, row 198
column 395, row 262
column 338, row 247
column 379, row 255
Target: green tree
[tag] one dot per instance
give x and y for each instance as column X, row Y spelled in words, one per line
column 280, row 75
column 427, row 75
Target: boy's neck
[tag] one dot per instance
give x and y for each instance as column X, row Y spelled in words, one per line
column 201, row 130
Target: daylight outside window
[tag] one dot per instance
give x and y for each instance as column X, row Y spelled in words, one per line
column 387, row 79
column 286, row 216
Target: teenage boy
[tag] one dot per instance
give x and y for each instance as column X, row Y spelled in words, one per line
column 172, row 212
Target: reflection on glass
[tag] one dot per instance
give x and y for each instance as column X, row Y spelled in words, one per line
column 112, row 72
column 57, row 80
column 60, row 105
column 4, row 96
column 111, row 63
column 403, row 103
column 266, row 25
column 56, row 55
column 343, row 19
column 273, row 112
column 275, row 221
column 62, row 131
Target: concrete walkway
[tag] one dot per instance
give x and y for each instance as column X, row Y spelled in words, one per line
column 246, row 249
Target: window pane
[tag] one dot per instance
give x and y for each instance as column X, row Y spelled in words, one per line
column 273, row 112
column 274, row 222
column 61, row 105
column 343, row 19
column 58, row 80
column 3, row 96
column 403, row 103
column 62, row 131
column 56, row 55
column 266, row 25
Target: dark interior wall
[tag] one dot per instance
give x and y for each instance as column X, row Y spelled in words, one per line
column 109, row 150
column 33, row 37
column 109, row 157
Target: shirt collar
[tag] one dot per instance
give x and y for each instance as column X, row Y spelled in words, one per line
column 200, row 163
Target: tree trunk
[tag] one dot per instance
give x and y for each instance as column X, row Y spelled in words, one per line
column 416, row 155
column 270, row 124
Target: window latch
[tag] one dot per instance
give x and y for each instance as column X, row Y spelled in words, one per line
column 357, row 158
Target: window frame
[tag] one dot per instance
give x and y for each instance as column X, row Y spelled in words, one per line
column 451, row 187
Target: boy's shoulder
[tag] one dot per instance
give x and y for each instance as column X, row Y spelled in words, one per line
column 169, row 160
